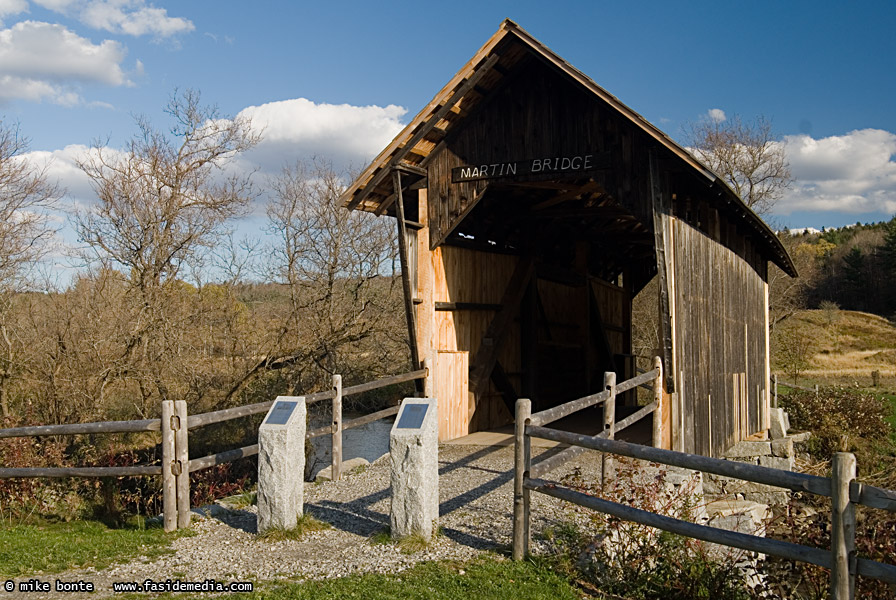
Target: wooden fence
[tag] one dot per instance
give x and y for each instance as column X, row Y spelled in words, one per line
column 793, row 386
column 843, row 489
column 174, row 426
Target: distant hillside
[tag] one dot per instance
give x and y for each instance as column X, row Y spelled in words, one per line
column 836, row 346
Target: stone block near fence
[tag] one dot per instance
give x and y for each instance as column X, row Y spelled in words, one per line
column 281, row 464
column 414, row 451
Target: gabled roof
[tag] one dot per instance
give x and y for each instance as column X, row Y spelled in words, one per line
column 425, row 135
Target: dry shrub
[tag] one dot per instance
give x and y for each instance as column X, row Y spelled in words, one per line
column 842, row 420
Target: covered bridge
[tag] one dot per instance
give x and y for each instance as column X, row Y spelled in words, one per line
column 532, row 206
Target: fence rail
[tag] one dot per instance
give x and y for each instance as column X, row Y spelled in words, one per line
column 174, row 426
column 845, row 493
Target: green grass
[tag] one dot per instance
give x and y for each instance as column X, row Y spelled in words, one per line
column 48, row 547
column 304, row 524
column 492, row 577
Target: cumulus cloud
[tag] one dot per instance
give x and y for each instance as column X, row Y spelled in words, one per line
column 12, row 7
column 297, row 129
column 128, row 17
column 855, row 172
column 43, row 61
column 716, row 115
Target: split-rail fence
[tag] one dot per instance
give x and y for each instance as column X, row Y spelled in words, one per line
column 843, row 489
column 174, row 426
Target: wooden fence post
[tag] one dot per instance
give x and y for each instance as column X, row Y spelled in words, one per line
column 658, row 398
column 429, row 383
column 169, row 489
column 607, row 470
column 336, row 432
column 520, row 472
column 843, row 527
column 182, row 461
column 775, row 390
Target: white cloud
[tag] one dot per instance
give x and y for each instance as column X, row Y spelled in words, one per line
column 347, row 135
column 855, row 172
column 42, row 61
column 12, row 7
column 128, row 17
column 716, row 115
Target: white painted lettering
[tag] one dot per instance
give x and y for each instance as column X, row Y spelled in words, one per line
column 511, row 168
column 566, row 164
column 536, row 165
column 576, row 162
column 465, row 172
column 587, row 161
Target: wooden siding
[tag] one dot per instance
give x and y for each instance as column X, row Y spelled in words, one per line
column 462, row 275
column 538, row 114
column 719, row 342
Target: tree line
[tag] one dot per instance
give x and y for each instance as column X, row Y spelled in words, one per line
column 166, row 303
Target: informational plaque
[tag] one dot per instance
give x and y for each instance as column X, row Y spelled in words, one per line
column 412, row 416
column 280, row 413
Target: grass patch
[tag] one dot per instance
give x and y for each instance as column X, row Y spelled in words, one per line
column 50, row 547
column 304, row 525
column 491, row 577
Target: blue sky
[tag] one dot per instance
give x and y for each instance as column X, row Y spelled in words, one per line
column 339, row 79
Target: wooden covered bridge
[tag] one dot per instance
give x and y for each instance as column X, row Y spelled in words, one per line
column 532, row 206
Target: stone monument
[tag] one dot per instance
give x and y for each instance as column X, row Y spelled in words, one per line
column 414, row 450
column 281, row 464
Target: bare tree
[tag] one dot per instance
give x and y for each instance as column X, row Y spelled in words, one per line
column 335, row 266
column 25, row 191
column 161, row 203
column 162, row 200
column 746, row 155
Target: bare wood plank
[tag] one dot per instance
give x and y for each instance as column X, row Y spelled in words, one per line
column 547, row 465
column 79, row 471
column 182, row 460
column 410, row 313
column 799, row 482
column 870, row 568
column 222, row 457
column 658, row 400
column 636, row 416
column 452, row 306
column 520, row 467
column 636, row 381
column 875, row 497
column 79, row 428
column 169, row 485
column 336, row 439
column 558, row 412
column 753, row 543
column 374, row 416
column 659, row 235
column 481, row 366
column 383, row 382
column 843, row 527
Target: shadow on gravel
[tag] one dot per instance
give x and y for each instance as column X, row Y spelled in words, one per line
column 481, row 490
column 236, row 518
column 348, row 517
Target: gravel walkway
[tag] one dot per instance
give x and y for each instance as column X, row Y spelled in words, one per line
column 476, row 504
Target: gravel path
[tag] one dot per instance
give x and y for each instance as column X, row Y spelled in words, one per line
column 476, row 504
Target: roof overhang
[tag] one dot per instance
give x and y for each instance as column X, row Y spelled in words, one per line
column 424, row 136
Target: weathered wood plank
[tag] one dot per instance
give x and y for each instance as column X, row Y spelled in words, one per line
column 799, row 482
column 815, row 556
column 79, row 471
column 83, row 428
column 220, row 458
column 483, row 363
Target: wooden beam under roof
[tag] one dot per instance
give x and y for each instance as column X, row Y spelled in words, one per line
column 424, row 127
